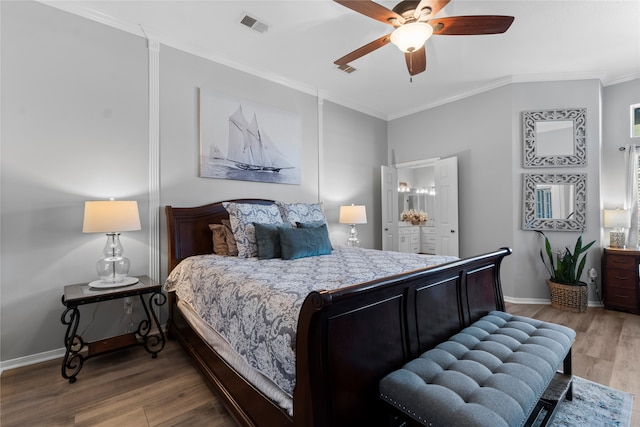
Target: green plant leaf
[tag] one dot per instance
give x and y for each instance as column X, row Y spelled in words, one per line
column 565, row 267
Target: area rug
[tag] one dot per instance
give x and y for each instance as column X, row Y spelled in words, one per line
column 594, row 405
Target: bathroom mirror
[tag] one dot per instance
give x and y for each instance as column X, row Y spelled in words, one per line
column 554, row 202
column 554, row 138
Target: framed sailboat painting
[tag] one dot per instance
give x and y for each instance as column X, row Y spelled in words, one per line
column 243, row 140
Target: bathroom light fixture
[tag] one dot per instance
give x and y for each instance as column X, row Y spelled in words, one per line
column 412, row 36
column 111, row 217
column 353, row 215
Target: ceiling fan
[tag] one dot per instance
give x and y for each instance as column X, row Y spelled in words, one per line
column 413, row 24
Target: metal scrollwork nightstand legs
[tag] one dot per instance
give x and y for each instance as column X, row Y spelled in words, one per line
column 148, row 333
column 152, row 343
column 73, row 360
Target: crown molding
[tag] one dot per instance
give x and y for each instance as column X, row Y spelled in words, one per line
column 522, row 78
column 621, row 79
column 461, row 95
column 87, row 12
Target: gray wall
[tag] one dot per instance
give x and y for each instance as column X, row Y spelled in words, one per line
column 339, row 164
column 75, row 123
column 74, row 128
column 531, row 274
column 484, row 132
column 477, row 130
column 355, row 145
column 616, row 133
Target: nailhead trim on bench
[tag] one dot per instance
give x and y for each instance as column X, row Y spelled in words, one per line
column 491, row 373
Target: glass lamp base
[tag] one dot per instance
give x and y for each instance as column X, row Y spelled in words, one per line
column 352, row 240
column 353, row 243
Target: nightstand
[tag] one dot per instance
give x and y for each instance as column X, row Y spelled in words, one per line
column 621, row 284
column 148, row 334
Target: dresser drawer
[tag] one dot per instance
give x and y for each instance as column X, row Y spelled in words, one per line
column 622, row 278
column 621, row 297
column 427, row 248
column 622, row 262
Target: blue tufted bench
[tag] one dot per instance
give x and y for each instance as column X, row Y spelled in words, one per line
column 499, row 371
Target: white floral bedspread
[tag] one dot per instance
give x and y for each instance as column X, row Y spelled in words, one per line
column 255, row 303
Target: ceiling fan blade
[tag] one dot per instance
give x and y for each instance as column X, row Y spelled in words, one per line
column 435, row 6
column 362, row 51
column 372, row 10
column 471, row 25
column 416, row 61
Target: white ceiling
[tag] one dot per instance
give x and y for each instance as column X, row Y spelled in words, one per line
column 549, row 40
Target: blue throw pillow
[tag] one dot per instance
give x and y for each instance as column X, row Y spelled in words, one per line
column 312, row 224
column 304, row 242
column 267, row 240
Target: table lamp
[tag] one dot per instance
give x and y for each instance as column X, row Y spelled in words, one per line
column 353, row 215
column 619, row 220
column 111, row 217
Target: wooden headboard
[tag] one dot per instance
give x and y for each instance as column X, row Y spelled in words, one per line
column 188, row 229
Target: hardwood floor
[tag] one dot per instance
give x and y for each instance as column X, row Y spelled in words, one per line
column 607, row 346
column 129, row 388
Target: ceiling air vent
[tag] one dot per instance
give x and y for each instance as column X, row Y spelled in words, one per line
column 253, row 23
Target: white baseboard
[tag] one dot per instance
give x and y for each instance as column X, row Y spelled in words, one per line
column 43, row 357
column 543, row 301
column 31, row 359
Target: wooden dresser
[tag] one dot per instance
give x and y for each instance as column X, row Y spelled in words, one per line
column 621, row 279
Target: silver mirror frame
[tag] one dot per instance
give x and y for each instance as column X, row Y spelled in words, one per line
column 578, row 220
column 530, row 157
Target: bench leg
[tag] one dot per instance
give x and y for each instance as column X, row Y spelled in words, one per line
column 567, row 371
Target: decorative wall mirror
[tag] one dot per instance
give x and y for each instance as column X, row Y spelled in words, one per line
column 554, row 202
column 554, row 138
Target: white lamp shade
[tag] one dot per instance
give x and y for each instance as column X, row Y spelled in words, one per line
column 617, row 218
column 411, row 37
column 353, row 214
column 111, row 216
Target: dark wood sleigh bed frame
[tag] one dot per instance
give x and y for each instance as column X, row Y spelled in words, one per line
column 347, row 339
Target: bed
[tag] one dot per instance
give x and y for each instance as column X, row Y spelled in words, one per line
column 346, row 339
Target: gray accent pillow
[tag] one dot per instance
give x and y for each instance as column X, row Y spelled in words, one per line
column 312, row 224
column 301, row 212
column 242, row 216
column 268, row 240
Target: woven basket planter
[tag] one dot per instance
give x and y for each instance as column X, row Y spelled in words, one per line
column 569, row 297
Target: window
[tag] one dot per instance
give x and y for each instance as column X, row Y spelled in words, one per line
column 637, row 224
column 543, row 203
column 635, row 121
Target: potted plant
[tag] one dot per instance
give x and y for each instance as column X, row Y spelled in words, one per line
column 565, row 269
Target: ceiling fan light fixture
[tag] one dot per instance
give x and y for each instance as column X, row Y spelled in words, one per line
column 412, row 36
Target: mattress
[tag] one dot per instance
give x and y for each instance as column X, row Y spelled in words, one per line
column 252, row 305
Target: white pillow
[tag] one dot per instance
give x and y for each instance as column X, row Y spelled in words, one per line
column 242, row 216
column 301, row 212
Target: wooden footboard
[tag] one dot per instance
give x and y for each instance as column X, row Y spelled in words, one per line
column 351, row 338
column 347, row 339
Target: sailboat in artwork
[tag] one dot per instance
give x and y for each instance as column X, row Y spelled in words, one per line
column 250, row 148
